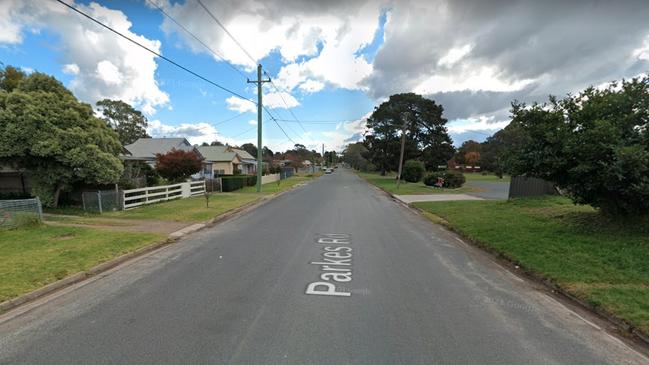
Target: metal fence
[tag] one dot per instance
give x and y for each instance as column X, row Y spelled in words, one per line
column 522, row 186
column 14, row 213
column 101, row 201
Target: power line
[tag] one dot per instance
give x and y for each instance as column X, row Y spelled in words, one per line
column 246, row 131
column 229, row 119
column 314, row 121
column 218, row 22
column 216, row 54
column 154, row 52
column 226, row 31
column 284, row 101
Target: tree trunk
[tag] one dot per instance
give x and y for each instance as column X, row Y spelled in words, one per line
column 57, row 193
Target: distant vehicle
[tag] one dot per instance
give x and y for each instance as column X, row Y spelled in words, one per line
column 328, row 171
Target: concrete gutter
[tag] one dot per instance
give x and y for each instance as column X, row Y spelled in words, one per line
column 105, row 266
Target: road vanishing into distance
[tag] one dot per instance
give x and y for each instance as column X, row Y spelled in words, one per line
column 334, row 272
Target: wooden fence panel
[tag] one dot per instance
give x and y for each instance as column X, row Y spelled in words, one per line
column 521, row 186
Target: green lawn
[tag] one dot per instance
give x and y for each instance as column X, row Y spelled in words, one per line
column 187, row 210
column 389, row 183
column 31, row 257
column 605, row 262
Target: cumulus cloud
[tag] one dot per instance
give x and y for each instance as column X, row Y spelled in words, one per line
column 317, row 41
column 240, row 105
column 476, row 57
column 103, row 65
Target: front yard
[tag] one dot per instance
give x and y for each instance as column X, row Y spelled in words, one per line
column 603, row 261
column 33, row 256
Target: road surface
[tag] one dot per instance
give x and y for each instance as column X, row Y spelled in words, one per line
column 399, row 290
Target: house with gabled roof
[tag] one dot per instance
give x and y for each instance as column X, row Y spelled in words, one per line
column 146, row 149
column 225, row 160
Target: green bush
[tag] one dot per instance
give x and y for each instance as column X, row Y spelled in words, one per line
column 452, row 179
column 431, row 178
column 236, row 182
column 413, row 171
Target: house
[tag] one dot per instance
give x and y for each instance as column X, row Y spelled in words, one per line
column 225, row 160
column 248, row 162
column 146, row 149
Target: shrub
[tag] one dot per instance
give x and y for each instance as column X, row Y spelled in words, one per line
column 431, row 178
column 594, row 146
column 452, row 179
column 236, row 182
column 178, row 165
column 413, row 171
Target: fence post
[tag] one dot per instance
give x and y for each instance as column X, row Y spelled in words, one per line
column 40, row 208
column 99, row 201
column 83, row 200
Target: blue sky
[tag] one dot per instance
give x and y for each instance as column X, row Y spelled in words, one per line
column 332, row 61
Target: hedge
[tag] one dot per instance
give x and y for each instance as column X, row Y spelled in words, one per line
column 232, row 183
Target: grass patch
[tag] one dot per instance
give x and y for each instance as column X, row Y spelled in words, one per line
column 186, row 210
column 31, row 257
column 603, row 261
column 389, row 183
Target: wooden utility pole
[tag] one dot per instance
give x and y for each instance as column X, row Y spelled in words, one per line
column 260, row 164
column 403, row 144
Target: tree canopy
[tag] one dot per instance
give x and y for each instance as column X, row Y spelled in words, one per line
column 129, row 123
column 178, row 165
column 427, row 138
column 45, row 130
column 594, row 145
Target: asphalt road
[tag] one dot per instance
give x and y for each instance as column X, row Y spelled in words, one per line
column 237, row 293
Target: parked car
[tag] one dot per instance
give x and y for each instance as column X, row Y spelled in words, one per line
column 328, row 171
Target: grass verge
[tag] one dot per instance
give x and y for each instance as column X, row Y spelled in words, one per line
column 604, row 262
column 389, row 183
column 31, row 257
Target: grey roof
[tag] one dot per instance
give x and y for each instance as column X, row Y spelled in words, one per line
column 216, row 153
column 147, row 148
column 243, row 154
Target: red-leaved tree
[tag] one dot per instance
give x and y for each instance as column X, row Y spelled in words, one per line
column 177, row 165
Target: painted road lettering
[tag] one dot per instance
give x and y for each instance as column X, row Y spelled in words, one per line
column 335, row 265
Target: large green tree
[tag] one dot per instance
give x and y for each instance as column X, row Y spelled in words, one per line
column 45, row 130
column 354, row 155
column 426, row 136
column 594, row 145
column 129, row 123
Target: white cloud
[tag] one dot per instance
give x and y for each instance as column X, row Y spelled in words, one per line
column 195, row 133
column 484, row 78
column 311, row 86
column 240, row 105
column 276, row 100
column 252, row 122
column 295, row 31
column 454, row 55
column 481, row 123
column 109, row 72
column 104, row 65
column 71, row 68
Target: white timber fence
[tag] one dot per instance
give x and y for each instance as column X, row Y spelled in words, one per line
column 269, row 178
column 136, row 197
